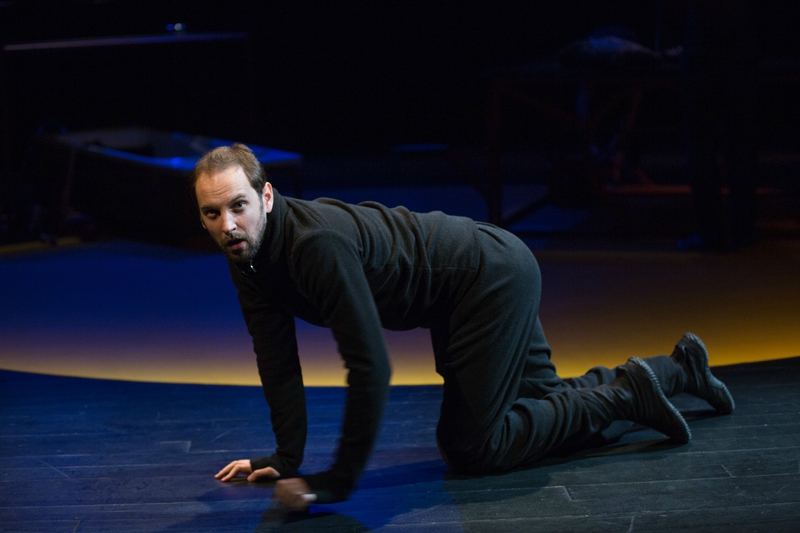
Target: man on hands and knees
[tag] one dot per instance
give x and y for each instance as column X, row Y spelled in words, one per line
column 357, row 269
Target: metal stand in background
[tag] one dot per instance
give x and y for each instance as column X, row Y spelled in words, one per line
column 530, row 86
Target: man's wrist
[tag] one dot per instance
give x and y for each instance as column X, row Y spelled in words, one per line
column 284, row 471
column 328, row 487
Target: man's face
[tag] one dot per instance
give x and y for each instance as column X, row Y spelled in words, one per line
column 234, row 214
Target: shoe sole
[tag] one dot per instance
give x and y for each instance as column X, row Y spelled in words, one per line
column 684, row 434
column 725, row 409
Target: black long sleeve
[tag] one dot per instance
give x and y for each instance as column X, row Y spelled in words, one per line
column 275, row 345
column 334, row 280
column 355, row 270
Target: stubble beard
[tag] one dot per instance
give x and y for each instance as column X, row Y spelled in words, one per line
column 253, row 243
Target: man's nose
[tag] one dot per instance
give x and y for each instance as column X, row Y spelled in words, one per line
column 228, row 222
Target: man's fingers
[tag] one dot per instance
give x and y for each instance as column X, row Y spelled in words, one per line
column 225, row 470
column 243, row 466
column 294, row 493
column 232, row 473
column 298, row 502
column 233, row 469
column 268, row 472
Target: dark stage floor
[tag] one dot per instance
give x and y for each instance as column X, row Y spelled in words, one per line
column 79, row 455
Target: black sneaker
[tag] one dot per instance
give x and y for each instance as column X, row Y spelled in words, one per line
column 691, row 353
column 650, row 407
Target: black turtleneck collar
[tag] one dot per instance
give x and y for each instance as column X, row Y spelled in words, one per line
column 272, row 244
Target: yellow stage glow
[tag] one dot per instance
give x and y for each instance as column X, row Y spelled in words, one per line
column 597, row 309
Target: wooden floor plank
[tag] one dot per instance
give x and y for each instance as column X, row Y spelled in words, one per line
column 689, row 494
column 93, row 455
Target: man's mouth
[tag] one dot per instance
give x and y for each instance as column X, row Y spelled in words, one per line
column 235, row 244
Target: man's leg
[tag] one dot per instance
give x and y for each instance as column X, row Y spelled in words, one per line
column 540, row 377
column 530, row 428
column 482, row 351
column 686, row 370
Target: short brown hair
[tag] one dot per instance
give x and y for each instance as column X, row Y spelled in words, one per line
column 224, row 157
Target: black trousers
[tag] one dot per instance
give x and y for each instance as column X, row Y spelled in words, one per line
column 504, row 405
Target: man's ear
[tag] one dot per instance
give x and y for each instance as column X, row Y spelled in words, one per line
column 268, row 197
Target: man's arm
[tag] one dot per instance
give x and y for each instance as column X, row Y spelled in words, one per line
column 332, row 276
column 275, row 345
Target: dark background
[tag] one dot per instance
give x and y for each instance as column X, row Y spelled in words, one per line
column 329, row 76
column 317, row 77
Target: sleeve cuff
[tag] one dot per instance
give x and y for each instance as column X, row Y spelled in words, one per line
column 285, row 471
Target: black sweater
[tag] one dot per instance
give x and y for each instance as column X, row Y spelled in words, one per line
column 353, row 269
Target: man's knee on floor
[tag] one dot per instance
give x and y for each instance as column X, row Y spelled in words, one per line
column 460, row 450
column 475, row 465
column 486, row 453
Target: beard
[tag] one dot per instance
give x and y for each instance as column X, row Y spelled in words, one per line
column 252, row 243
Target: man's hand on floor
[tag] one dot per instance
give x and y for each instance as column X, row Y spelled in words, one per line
column 294, row 493
column 242, row 466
